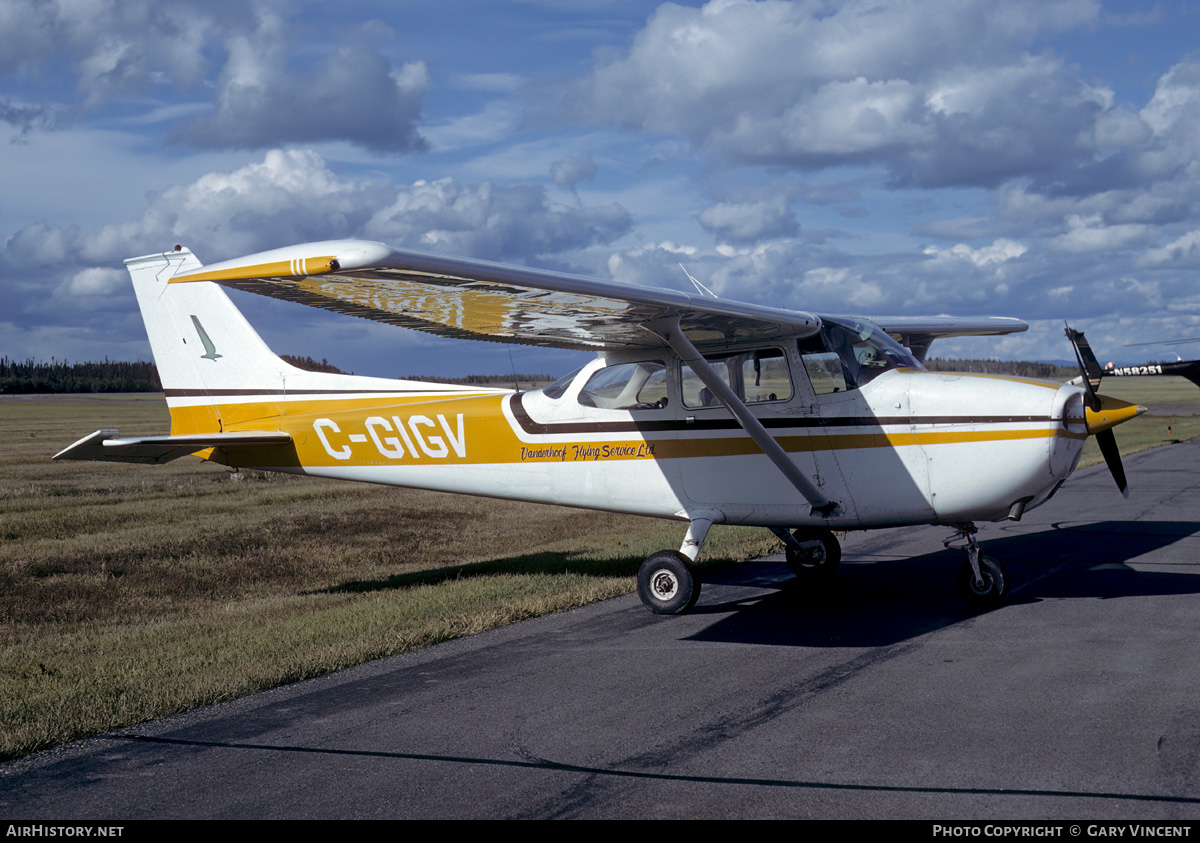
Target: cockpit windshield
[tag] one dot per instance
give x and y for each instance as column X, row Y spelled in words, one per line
column 848, row 353
column 556, row 389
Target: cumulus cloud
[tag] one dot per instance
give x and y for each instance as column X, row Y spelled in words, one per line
column 939, row 92
column 569, row 172
column 97, row 281
column 747, row 222
column 54, row 275
column 117, row 47
column 1183, row 252
column 1091, row 234
column 997, row 253
column 654, row 265
column 27, row 118
column 356, row 95
column 265, row 95
column 853, row 291
column 498, row 222
column 291, row 196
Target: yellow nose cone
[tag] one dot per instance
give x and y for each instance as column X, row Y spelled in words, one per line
column 1112, row 412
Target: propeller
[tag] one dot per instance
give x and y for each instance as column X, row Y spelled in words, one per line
column 1103, row 413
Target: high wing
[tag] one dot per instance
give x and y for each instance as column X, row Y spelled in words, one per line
column 919, row 332
column 1164, row 342
column 473, row 299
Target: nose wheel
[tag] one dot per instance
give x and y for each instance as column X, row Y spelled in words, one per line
column 812, row 555
column 982, row 581
column 987, row 589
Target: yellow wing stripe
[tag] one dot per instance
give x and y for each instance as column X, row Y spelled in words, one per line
column 296, row 267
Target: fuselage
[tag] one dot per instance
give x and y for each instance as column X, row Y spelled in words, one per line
column 908, row 446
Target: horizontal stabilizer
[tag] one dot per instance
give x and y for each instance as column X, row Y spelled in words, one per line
column 104, row 445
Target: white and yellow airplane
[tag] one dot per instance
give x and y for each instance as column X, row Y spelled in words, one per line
column 698, row 409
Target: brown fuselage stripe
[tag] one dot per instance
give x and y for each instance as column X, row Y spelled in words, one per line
column 529, row 426
column 300, row 393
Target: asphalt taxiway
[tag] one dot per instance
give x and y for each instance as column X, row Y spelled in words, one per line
column 882, row 697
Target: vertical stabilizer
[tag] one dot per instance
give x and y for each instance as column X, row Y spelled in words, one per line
column 216, row 371
column 202, row 344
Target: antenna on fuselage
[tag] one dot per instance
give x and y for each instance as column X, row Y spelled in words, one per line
column 513, row 366
column 699, row 286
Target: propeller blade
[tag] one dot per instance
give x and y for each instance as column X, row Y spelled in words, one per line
column 1089, row 367
column 1103, row 413
column 1112, row 458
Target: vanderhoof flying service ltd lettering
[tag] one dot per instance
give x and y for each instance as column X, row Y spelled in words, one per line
column 577, row 453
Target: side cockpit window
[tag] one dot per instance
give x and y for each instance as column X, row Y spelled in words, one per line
column 756, row 377
column 627, row 386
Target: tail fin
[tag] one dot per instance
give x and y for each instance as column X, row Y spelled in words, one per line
column 202, row 344
column 216, row 371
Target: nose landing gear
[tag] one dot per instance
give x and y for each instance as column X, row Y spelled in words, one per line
column 812, row 554
column 982, row 581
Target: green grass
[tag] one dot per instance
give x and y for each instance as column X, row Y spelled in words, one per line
column 1150, row 430
column 1151, row 391
column 130, row 592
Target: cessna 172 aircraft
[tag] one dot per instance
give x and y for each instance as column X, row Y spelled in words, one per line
column 1189, row 369
column 696, row 408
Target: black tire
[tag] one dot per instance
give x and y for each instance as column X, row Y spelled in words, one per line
column 994, row 587
column 668, row 583
column 820, row 557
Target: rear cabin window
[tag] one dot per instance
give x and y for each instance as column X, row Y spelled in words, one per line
column 627, row 386
column 756, row 377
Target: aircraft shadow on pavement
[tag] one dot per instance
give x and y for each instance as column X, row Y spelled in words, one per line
column 878, row 603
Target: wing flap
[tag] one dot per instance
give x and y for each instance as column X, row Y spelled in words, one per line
column 105, row 446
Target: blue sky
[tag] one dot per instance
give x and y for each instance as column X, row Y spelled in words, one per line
column 1029, row 159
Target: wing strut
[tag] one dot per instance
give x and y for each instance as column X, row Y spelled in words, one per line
column 674, row 336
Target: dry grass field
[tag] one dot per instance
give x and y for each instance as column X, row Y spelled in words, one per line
column 130, row 592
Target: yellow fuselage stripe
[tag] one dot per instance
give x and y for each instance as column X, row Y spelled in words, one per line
column 426, row 431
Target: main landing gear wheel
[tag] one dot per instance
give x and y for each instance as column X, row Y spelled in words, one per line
column 990, row 590
column 817, row 557
column 668, row 583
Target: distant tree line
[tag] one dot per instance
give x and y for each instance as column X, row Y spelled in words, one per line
column 1017, row 368
column 487, row 380
column 119, row 376
column 21, row 376
column 25, row 376
column 310, row 365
